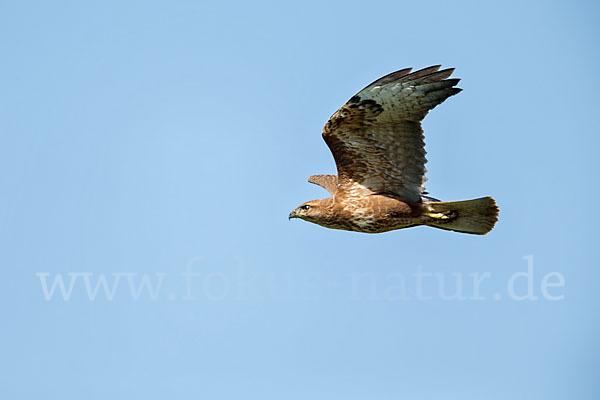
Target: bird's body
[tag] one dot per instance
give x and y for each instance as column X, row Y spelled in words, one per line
column 378, row 146
column 373, row 214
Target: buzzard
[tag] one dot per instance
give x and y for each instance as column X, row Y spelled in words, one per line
column 378, row 146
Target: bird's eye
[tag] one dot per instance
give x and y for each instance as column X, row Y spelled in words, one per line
column 305, row 207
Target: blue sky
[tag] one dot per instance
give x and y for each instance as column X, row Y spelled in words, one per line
column 166, row 143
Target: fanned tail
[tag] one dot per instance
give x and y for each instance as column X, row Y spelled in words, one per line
column 476, row 216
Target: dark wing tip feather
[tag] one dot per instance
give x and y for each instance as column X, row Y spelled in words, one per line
column 420, row 73
column 423, row 76
column 394, row 76
column 438, row 76
column 438, row 85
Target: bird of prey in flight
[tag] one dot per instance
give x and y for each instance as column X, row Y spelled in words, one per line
column 378, row 146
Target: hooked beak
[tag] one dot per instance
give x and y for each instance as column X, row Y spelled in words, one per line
column 292, row 215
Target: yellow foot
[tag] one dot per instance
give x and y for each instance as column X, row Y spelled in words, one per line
column 439, row 215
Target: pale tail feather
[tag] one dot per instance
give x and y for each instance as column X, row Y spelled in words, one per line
column 476, row 216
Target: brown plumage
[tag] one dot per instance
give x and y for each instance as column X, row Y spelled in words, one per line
column 379, row 150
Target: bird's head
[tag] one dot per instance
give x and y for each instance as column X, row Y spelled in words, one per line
column 311, row 211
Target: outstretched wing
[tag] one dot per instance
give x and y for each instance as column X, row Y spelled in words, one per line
column 376, row 137
column 328, row 182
